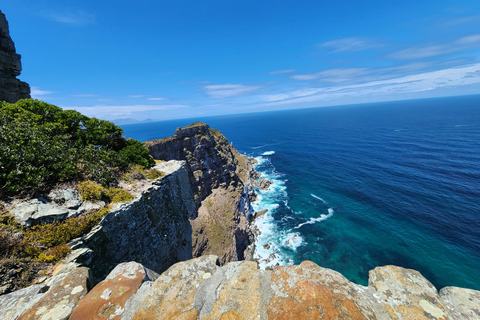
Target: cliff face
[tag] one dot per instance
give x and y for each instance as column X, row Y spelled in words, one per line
column 152, row 229
column 11, row 89
column 221, row 181
column 203, row 289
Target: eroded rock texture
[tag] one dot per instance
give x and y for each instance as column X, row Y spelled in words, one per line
column 222, row 182
column 153, row 229
column 204, row 289
column 11, row 89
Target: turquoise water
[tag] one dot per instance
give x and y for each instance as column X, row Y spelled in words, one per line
column 363, row 186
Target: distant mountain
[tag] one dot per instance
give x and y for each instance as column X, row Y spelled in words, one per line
column 130, row 121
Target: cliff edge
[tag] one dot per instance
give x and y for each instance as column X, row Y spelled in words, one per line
column 203, row 289
column 222, row 182
column 11, row 89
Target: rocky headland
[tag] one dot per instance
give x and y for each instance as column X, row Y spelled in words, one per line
column 222, row 182
column 11, row 89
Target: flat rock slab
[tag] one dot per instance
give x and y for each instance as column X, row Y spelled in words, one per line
column 172, row 295
column 406, row 294
column 59, row 302
column 308, row 291
column 107, row 299
column 14, row 304
column 461, row 303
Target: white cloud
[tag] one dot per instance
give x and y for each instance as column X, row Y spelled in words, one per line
column 418, row 52
column 333, row 75
column 122, row 111
column 352, row 44
column 221, row 91
column 282, row 71
column 156, row 99
column 426, row 81
column 71, row 17
column 36, row 93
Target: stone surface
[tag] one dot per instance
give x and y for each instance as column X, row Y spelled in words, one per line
column 12, row 305
column 134, row 302
column 36, row 211
column 221, row 181
column 60, row 300
column 311, row 292
column 172, row 296
column 406, row 294
column 107, row 299
column 202, row 288
column 153, row 229
column 235, row 291
column 11, row 89
column 461, row 303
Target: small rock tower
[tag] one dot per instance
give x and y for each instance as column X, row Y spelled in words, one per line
column 11, row 88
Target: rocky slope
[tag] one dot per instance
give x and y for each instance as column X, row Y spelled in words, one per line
column 222, row 182
column 204, row 289
column 11, row 89
column 152, row 229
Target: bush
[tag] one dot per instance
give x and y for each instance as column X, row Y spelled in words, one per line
column 41, row 144
column 153, row 174
column 89, row 190
column 57, row 233
column 118, row 195
column 54, row 254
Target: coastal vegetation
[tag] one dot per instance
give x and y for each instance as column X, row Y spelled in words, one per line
column 41, row 144
column 43, row 148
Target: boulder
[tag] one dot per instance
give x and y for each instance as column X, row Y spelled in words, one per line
column 107, row 299
column 60, row 300
column 173, row 294
column 461, row 303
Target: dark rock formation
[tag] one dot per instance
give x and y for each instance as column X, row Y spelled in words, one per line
column 221, row 180
column 152, row 229
column 11, row 89
column 212, row 162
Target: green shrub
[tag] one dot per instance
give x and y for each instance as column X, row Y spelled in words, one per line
column 41, row 144
column 89, row 190
column 54, row 254
column 153, row 174
column 118, row 195
column 57, row 233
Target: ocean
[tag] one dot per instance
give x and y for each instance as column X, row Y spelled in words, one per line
column 361, row 186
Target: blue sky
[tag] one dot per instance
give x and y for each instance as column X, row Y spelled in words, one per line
column 181, row 59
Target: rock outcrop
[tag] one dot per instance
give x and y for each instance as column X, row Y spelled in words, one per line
column 204, row 289
column 11, row 89
column 222, row 182
column 153, row 229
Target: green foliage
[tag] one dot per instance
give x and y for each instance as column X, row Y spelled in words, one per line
column 118, row 195
column 57, row 233
column 41, row 144
column 89, row 190
column 137, row 172
column 153, row 174
column 54, row 254
column 135, row 153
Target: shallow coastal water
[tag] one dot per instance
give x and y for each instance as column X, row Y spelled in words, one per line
column 361, row 186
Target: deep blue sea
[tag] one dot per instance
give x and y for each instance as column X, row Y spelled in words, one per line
column 362, row 186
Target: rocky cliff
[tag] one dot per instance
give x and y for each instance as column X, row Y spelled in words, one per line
column 222, row 183
column 152, row 229
column 11, row 89
column 204, row 289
